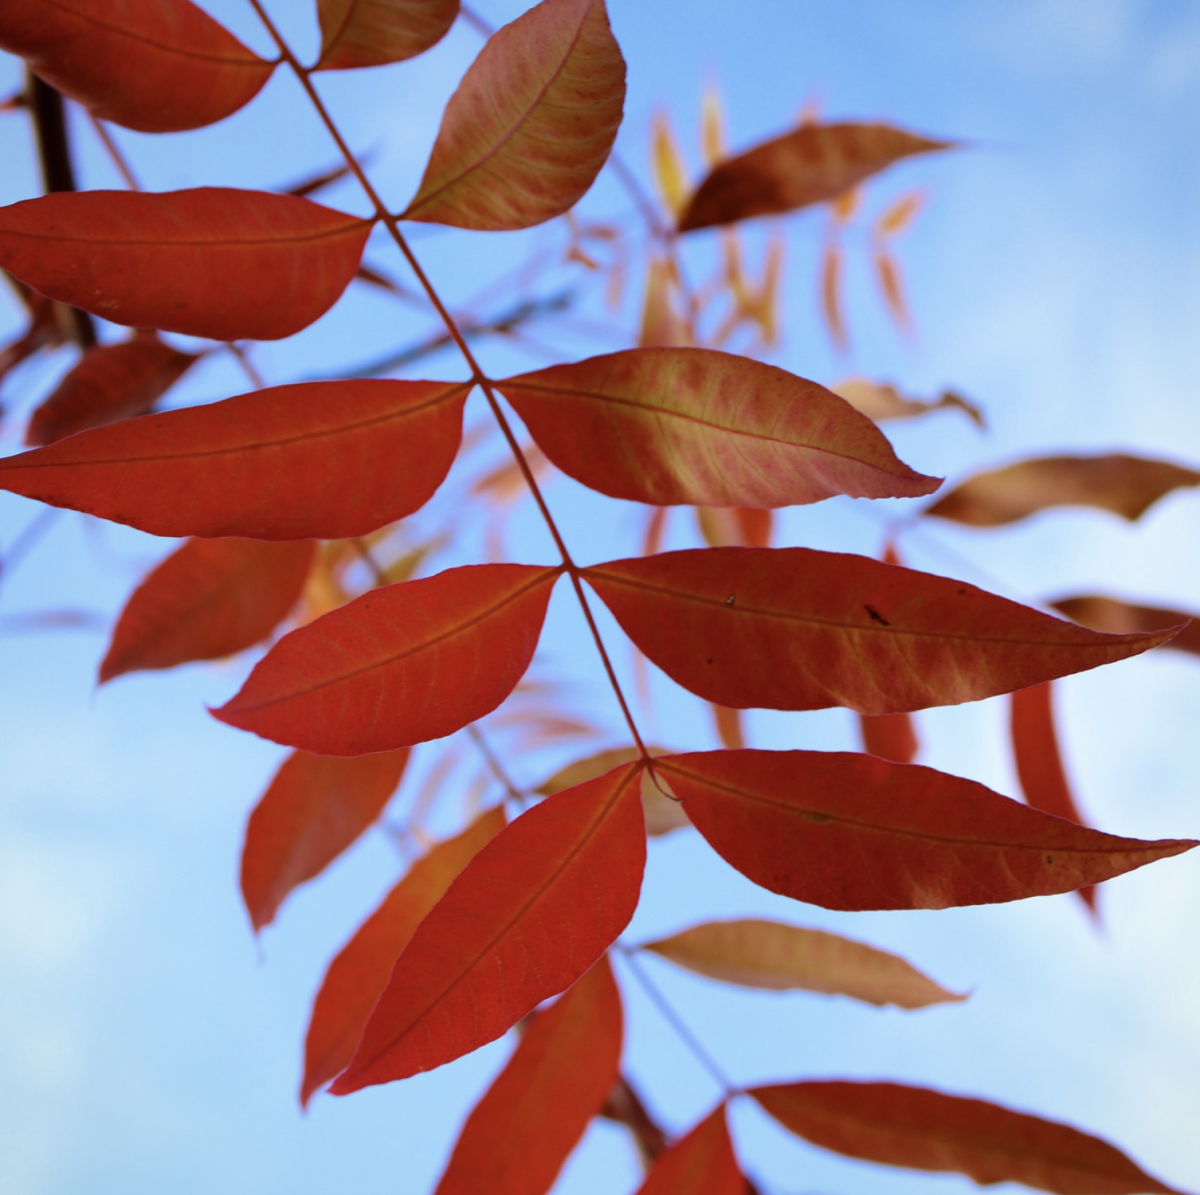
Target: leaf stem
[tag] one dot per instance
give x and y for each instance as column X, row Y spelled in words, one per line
column 392, row 224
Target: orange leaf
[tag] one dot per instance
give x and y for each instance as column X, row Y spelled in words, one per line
column 848, row 831
column 701, row 1163
column 889, row 736
column 1039, row 762
column 519, row 1135
column 313, row 809
column 831, row 296
column 888, row 273
column 360, row 972
column 809, row 165
column 527, row 917
column 662, row 326
column 735, row 526
column 661, row 813
column 792, row 628
column 900, row 215
column 1124, row 618
column 1126, row 485
column 109, row 382
column 208, row 599
column 898, row 1125
column 670, row 176
column 158, row 66
column 729, row 726
column 318, row 460
column 780, row 958
column 696, row 427
column 398, row 665
column 212, row 261
column 358, row 33
column 879, row 401
column 531, row 123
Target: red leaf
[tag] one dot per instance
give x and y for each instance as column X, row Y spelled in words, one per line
column 314, row 808
column 701, row 428
column 110, row 382
column 910, row 1126
column 1125, row 485
column 319, row 460
column 702, row 1163
column 889, row 736
column 808, row 165
column 531, row 123
column 154, row 65
column 529, row 915
column 1124, row 618
column 1039, row 764
column 519, row 1135
column 849, row 831
column 208, row 599
column 399, row 665
column 211, row 261
column 358, row 33
column 360, row 972
column 792, row 628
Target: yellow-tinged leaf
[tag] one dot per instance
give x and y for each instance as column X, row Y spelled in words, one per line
column 669, row 172
column 531, row 124
column 712, row 126
column 768, row 954
column 899, row 216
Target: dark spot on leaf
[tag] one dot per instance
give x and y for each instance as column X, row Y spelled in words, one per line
column 709, row 660
column 1049, row 858
column 876, row 616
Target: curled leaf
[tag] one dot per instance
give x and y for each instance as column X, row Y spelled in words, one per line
column 792, row 628
column 357, row 33
column 399, row 665
column 527, row 917
column 671, row 426
column 109, row 382
column 360, row 971
column 811, row 164
column 531, row 123
column 159, row 66
column 879, row 401
column 208, row 599
column 1126, row 485
column 314, row 808
column 317, row 460
column 897, row 1125
column 848, row 831
column 211, row 261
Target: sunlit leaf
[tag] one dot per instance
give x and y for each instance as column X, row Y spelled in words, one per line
column 1039, row 761
column 778, row 957
column 318, row 460
column 735, row 526
column 879, row 401
column 531, row 123
column 897, row 1125
column 212, row 261
column 358, row 33
column 670, row 176
column 809, row 165
column 662, row 814
column 899, row 216
column 518, row 1136
column 158, row 66
column 360, row 971
column 848, row 831
column 1126, row 485
column 792, row 628
column 527, row 917
column 700, row 1163
column 208, row 599
column 313, row 809
column 697, row 427
column 662, row 325
column 1125, row 618
column 399, row 665
column 108, row 383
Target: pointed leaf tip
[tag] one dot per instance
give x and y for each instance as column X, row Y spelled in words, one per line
column 399, row 665
column 848, row 831
column 531, row 124
column 527, row 917
column 170, row 260
column 703, row 428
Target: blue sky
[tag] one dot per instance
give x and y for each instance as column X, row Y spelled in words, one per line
column 1054, row 277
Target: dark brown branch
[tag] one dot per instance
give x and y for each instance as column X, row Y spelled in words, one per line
column 624, row 1105
column 58, row 174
